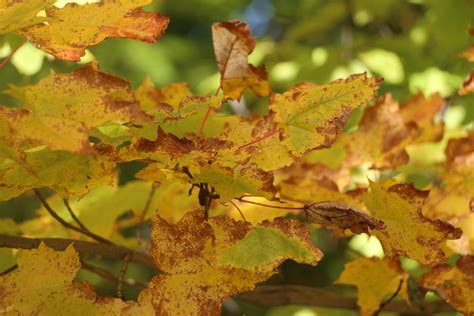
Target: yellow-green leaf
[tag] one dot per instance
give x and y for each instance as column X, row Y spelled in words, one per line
column 312, row 115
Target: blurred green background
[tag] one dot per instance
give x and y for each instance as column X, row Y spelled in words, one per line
column 414, row 45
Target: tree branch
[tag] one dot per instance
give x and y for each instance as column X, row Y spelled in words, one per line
column 66, row 224
column 85, row 247
column 277, row 295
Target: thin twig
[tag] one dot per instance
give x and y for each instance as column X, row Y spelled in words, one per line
column 123, row 272
column 143, row 214
column 5, row 61
column 74, row 217
column 66, row 224
column 12, row 268
column 390, row 298
column 271, row 206
column 109, row 275
column 239, row 210
column 84, row 247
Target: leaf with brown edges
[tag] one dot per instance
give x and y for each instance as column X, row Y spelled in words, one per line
column 72, row 29
column 408, row 232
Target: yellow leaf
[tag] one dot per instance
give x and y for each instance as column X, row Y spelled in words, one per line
column 52, row 290
column 375, row 278
column 408, row 232
column 73, row 28
column 455, row 284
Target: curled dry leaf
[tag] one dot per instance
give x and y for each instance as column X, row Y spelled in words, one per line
column 454, row 284
column 408, row 232
column 232, row 45
column 206, row 261
column 72, row 29
column 375, row 278
column 337, row 214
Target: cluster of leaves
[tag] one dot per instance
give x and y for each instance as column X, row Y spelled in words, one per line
column 72, row 132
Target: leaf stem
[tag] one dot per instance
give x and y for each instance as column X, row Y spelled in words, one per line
column 109, row 275
column 258, row 139
column 238, row 209
column 5, row 61
column 66, row 224
column 74, row 217
column 121, row 278
column 10, row 269
column 207, row 113
column 271, row 206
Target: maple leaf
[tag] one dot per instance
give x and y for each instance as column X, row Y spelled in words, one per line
column 408, row 232
column 62, row 108
column 232, row 45
column 21, row 13
column 312, row 115
column 455, row 284
column 66, row 173
column 375, row 278
column 72, row 29
column 53, row 292
column 206, row 261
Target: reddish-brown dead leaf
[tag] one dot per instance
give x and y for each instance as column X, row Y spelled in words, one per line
column 467, row 87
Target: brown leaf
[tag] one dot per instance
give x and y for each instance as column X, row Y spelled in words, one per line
column 455, row 284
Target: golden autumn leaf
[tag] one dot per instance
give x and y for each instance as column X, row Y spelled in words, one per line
column 206, row 261
column 375, row 278
column 454, row 284
column 311, row 115
column 21, row 13
column 72, row 29
column 408, row 232
column 52, row 290
column 232, row 45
